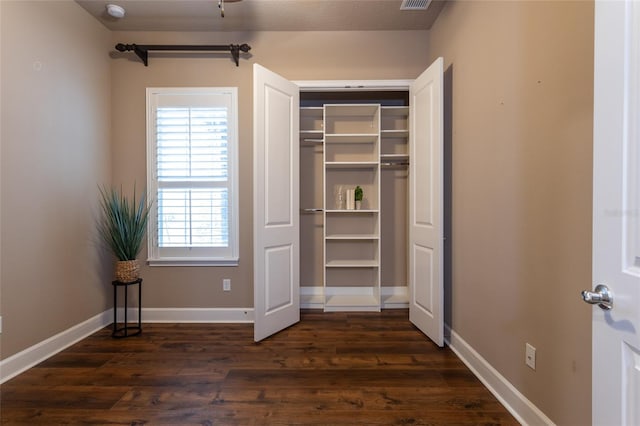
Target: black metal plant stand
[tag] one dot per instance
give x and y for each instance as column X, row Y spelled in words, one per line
column 126, row 330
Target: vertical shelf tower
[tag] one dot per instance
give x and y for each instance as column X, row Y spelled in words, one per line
column 351, row 237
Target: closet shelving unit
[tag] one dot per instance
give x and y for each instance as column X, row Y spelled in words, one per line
column 352, row 237
column 394, row 165
column 312, row 201
column 394, row 134
column 352, row 144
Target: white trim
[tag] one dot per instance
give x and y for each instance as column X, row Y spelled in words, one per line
column 208, row 315
column 517, row 404
column 22, row 361
column 193, row 256
column 193, row 262
column 393, row 297
column 352, row 85
column 311, row 297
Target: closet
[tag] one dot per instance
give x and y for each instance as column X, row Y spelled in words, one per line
column 354, row 258
column 310, row 250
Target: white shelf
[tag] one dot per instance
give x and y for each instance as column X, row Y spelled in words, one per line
column 352, row 264
column 352, row 237
column 396, row 299
column 311, row 120
column 341, row 110
column 344, row 302
column 394, row 133
column 312, row 300
column 394, row 156
column 351, row 211
column 351, row 164
column 351, row 137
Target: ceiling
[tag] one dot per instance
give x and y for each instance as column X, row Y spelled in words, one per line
column 263, row 15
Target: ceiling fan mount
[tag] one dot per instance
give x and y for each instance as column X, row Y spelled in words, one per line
column 221, row 5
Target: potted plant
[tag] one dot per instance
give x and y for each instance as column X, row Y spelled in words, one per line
column 122, row 227
column 358, row 195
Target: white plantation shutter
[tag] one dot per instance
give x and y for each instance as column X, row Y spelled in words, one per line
column 192, row 168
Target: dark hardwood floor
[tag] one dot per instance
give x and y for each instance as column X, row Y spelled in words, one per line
column 330, row 369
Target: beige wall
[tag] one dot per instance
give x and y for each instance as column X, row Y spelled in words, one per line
column 295, row 55
column 521, row 82
column 55, row 151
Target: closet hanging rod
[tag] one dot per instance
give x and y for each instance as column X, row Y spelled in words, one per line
column 313, row 140
column 397, row 163
column 142, row 50
column 311, row 210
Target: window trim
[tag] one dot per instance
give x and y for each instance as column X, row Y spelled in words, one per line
column 153, row 257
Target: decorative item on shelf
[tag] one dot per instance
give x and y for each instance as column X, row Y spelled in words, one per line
column 122, row 227
column 351, row 197
column 339, row 197
column 358, row 194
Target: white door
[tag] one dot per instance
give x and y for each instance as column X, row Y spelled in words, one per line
column 616, row 214
column 426, row 203
column 275, row 203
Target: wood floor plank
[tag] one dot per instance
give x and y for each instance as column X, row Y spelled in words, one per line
column 329, row 369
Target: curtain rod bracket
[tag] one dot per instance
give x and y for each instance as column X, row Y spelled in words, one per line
column 142, row 50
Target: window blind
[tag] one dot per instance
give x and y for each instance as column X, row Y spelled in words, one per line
column 192, row 147
column 191, row 159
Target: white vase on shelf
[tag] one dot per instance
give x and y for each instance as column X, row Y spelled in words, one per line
column 351, row 199
column 339, row 197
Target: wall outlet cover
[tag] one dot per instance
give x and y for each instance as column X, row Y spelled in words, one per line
column 530, row 356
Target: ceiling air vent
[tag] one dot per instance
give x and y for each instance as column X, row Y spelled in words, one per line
column 414, row 4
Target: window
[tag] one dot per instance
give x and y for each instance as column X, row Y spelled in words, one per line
column 192, row 169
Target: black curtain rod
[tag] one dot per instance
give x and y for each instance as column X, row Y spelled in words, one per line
column 142, row 50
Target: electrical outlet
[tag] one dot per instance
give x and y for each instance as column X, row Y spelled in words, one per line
column 530, row 356
column 226, row 284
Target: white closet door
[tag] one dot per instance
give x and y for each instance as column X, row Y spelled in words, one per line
column 426, row 203
column 275, row 203
column 616, row 220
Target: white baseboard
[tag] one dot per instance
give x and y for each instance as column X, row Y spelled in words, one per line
column 396, row 297
column 392, row 297
column 22, row 361
column 311, row 297
column 517, row 404
column 220, row 315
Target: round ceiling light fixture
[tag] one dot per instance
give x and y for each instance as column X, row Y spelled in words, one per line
column 115, row 11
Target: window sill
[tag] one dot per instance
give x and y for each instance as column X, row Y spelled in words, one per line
column 194, row 262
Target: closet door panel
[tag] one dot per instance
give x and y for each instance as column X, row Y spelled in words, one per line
column 276, row 203
column 426, row 203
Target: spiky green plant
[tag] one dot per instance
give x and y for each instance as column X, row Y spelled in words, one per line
column 123, row 222
column 358, row 193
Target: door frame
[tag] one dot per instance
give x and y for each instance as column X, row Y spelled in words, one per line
column 311, row 294
column 389, row 85
column 351, row 85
